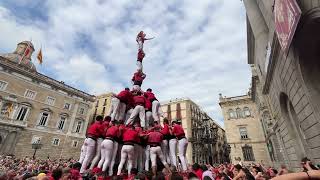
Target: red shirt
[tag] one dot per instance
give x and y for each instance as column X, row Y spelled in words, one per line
column 165, row 129
column 155, row 137
column 178, row 131
column 112, row 132
column 130, row 135
column 150, row 96
column 105, row 126
column 139, row 130
column 138, row 76
column 124, row 96
column 199, row 173
column 139, row 100
column 148, row 105
column 95, row 130
column 140, row 55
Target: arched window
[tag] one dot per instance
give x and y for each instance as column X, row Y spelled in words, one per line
column 246, row 111
column 231, row 114
column 239, row 113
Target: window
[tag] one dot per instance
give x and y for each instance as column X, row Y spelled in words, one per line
column 97, row 103
column 55, row 141
column 247, row 153
column 74, row 143
column 61, row 122
column 22, row 113
column 231, row 114
column 246, row 112
column 105, row 102
column 67, row 106
column 81, row 110
column 243, row 133
column 239, row 113
column 43, row 119
column 78, row 126
column 103, row 110
column 35, row 139
column 3, row 85
column 50, row 100
column 30, row 94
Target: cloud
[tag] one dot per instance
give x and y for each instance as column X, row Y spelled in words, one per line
column 199, row 48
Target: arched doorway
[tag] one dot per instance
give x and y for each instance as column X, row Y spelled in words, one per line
column 308, row 43
column 296, row 136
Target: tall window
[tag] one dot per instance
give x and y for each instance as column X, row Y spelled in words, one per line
column 50, row 100
column 56, row 141
column 105, row 102
column 30, row 94
column 239, row 113
column 103, row 110
column 74, row 143
column 43, row 119
column 66, row 106
column 231, row 113
column 78, row 127
column 61, row 122
column 22, row 113
column 243, row 133
column 3, row 85
column 247, row 153
column 246, row 112
column 81, row 110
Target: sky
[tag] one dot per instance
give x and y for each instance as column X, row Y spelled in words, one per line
column 199, row 49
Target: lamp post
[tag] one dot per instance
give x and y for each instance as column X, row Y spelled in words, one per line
column 36, row 146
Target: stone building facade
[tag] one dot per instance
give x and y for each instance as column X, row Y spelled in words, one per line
column 207, row 140
column 244, row 130
column 102, row 105
column 286, row 81
column 36, row 109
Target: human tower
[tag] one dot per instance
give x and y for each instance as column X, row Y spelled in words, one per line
column 131, row 132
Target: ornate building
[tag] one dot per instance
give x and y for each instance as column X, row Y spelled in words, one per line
column 244, row 130
column 38, row 111
column 207, row 142
column 286, row 75
column 102, row 105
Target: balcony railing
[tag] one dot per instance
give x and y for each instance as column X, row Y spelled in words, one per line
column 5, row 120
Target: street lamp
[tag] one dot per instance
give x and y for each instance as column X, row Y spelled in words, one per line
column 36, row 146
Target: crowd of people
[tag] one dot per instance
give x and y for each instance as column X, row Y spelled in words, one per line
column 12, row 168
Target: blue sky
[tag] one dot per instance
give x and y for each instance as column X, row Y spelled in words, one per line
column 199, row 48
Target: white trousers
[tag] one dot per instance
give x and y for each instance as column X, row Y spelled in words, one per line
column 147, row 158
column 82, row 154
column 97, row 154
column 172, row 151
column 156, row 111
column 127, row 151
column 106, row 154
column 137, row 111
column 149, row 119
column 165, row 150
column 139, row 65
column 183, row 144
column 114, row 155
column 89, row 150
column 154, row 152
column 136, row 88
column 117, row 109
column 128, row 114
column 138, row 157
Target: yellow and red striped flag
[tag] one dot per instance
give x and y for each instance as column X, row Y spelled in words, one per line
column 39, row 56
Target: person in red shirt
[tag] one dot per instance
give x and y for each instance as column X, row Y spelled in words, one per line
column 156, row 109
column 89, row 145
column 155, row 138
column 178, row 131
column 137, row 80
column 138, row 149
column 109, row 146
column 141, row 37
column 118, row 104
column 139, row 103
column 129, row 138
column 140, row 57
column 172, row 147
column 104, row 127
column 148, row 109
column 165, row 142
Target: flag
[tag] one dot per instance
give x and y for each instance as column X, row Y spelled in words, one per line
column 39, row 56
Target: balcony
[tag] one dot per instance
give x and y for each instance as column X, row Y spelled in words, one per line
column 12, row 122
